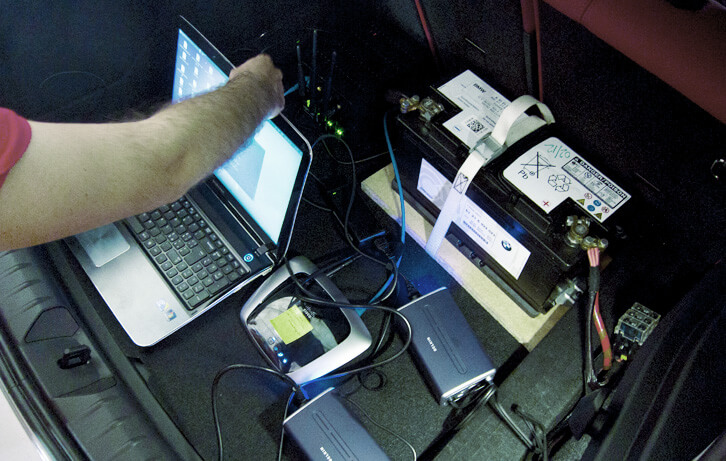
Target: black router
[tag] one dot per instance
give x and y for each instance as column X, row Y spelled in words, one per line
column 318, row 97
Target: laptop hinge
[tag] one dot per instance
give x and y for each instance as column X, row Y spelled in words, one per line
column 265, row 248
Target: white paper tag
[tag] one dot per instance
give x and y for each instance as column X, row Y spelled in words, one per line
column 468, row 91
column 481, row 107
column 478, row 225
column 551, row 172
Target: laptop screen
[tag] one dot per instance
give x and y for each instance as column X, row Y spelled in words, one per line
column 261, row 174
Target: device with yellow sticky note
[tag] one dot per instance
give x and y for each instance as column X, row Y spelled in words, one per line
column 302, row 340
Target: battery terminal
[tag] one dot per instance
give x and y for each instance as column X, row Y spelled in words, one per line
column 593, row 242
column 577, row 234
column 428, row 108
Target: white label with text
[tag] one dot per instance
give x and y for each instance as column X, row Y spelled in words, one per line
column 478, row 225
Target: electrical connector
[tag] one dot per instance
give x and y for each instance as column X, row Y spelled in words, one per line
column 637, row 324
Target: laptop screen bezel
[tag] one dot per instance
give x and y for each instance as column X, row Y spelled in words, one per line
column 284, row 125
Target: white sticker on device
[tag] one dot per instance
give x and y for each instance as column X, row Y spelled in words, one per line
column 478, row 225
column 551, row 172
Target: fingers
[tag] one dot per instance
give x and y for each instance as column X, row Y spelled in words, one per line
column 269, row 77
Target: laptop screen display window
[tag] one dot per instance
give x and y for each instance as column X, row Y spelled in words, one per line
column 261, row 174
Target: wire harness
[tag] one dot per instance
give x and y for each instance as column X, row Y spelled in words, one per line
column 591, row 381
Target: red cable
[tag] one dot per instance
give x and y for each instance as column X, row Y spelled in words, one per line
column 538, row 39
column 593, row 254
column 607, row 353
column 425, row 26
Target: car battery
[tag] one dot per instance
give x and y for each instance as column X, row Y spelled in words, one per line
column 529, row 215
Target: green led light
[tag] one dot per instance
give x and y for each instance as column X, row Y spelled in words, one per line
column 330, row 123
column 307, row 103
column 339, row 132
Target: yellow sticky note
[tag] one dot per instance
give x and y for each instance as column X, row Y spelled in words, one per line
column 291, row 325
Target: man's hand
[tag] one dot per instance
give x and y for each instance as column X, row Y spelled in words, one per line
column 269, row 79
column 93, row 174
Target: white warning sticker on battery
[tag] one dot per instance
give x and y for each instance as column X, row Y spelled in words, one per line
column 551, row 172
column 478, row 225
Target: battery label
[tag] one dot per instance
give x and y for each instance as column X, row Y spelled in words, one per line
column 468, row 91
column 480, row 104
column 475, row 222
column 469, row 127
column 551, row 172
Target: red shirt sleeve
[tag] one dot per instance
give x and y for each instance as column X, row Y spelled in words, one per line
column 14, row 139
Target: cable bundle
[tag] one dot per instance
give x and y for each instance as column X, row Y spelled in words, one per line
column 593, row 255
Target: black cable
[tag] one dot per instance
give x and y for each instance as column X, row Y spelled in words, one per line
column 349, row 208
column 471, row 396
column 413, row 293
column 589, row 373
column 238, row 366
column 458, row 418
column 351, row 200
column 394, row 277
column 363, row 160
column 384, row 248
column 315, row 300
column 333, row 268
column 383, row 333
column 558, row 435
column 499, row 410
column 486, row 395
column 532, row 431
column 310, row 298
column 483, row 396
column 310, row 277
column 321, row 184
column 315, row 205
column 593, row 286
column 411, row 289
column 365, row 381
column 382, row 336
column 284, row 417
column 329, row 269
column 538, row 431
column 312, row 175
column 406, row 344
column 376, row 423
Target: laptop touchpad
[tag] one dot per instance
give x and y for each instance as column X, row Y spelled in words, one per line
column 103, row 244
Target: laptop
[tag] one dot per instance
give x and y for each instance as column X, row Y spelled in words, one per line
column 160, row 270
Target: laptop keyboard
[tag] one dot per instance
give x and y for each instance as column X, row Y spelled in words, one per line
column 194, row 260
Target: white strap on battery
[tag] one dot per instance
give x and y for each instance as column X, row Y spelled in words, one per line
column 508, row 129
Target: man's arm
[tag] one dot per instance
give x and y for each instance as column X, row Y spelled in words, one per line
column 74, row 177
